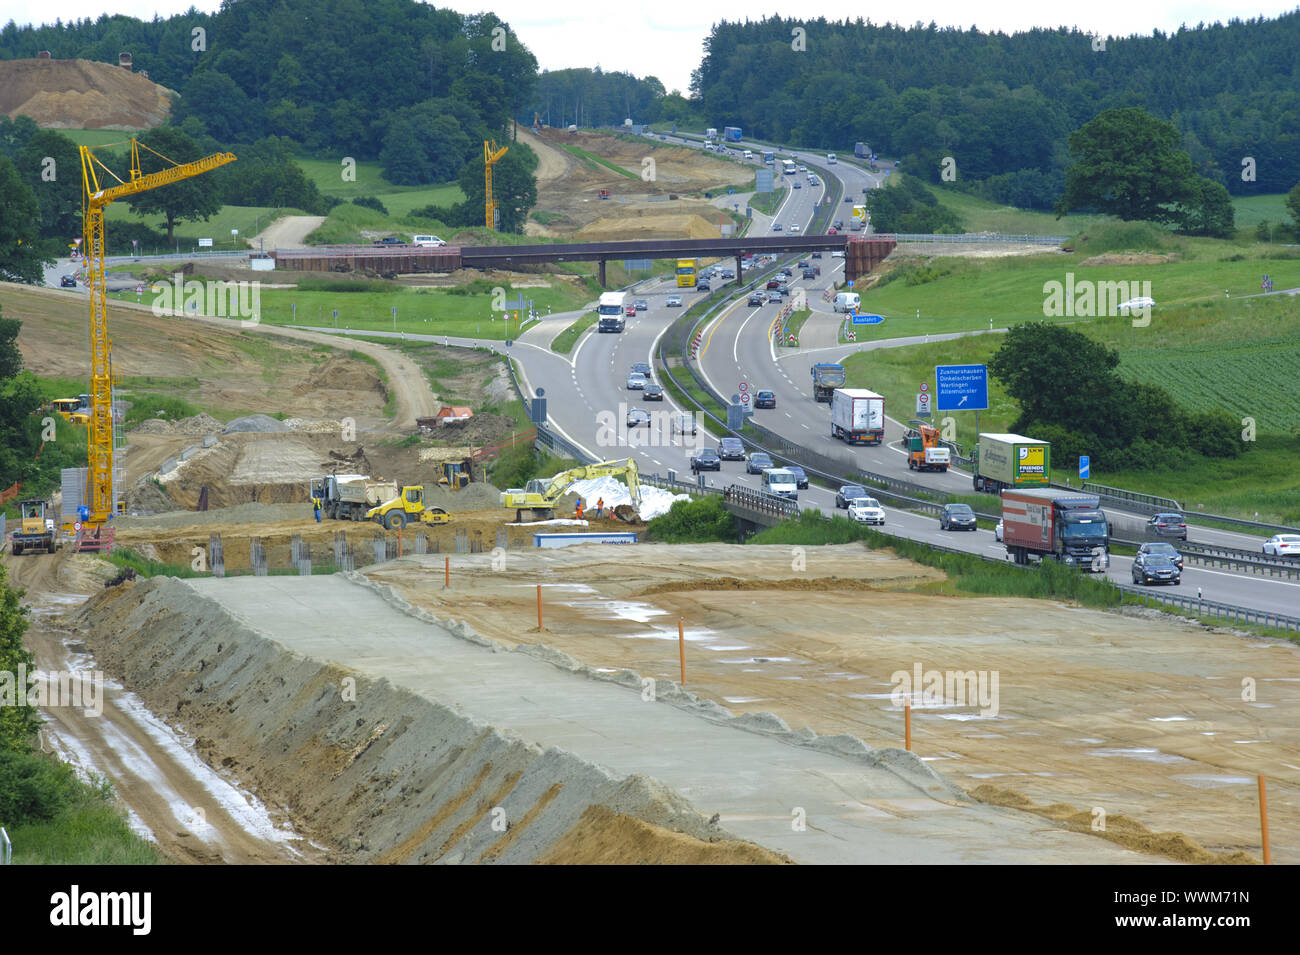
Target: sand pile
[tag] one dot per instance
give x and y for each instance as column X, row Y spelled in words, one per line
column 82, row 94
column 199, row 424
column 263, row 424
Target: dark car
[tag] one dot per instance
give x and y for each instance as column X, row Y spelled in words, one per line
column 957, row 517
column 816, row 255
column 706, row 459
column 809, row 274
column 728, row 274
column 731, row 449
column 652, row 392
column 776, row 227
column 838, row 223
column 849, row 492
column 703, row 286
column 757, row 299
column 1167, row 525
column 641, row 304
column 68, row 281
column 773, row 283
column 390, row 240
column 759, row 462
column 800, row 477
column 802, row 265
column 765, row 399
column 636, row 417
column 643, row 368
column 1165, row 550
column 783, row 288
column 1156, row 568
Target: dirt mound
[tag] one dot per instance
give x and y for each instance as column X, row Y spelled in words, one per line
column 200, row 424
column 1130, row 258
column 260, row 423
column 479, row 430
column 642, row 225
column 148, row 496
column 82, row 94
column 604, row 837
column 340, row 373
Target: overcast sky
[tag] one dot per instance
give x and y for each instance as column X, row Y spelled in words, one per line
column 664, row 39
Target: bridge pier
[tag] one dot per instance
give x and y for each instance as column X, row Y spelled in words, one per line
column 740, row 273
column 602, row 274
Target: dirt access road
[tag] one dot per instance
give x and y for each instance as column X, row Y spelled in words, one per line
column 287, row 232
column 54, row 341
column 172, row 797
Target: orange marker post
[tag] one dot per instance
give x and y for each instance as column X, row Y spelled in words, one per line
column 446, row 571
column 681, row 647
column 539, row 607
column 907, row 721
column 1263, row 819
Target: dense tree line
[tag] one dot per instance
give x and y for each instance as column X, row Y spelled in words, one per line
column 417, row 86
column 1002, row 106
column 592, row 97
column 1123, row 424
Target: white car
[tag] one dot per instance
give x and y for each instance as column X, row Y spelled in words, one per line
column 1136, row 303
column 427, row 241
column 794, row 227
column 866, row 510
column 1283, row 545
column 997, row 531
column 837, row 254
column 636, row 381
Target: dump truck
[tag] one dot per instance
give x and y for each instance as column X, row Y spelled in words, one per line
column 347, row 497
column 857, row 416
column 536, row 501
column 407, row 507
column 35, row 532
column 1053, row 524
column 1011, row 461
column 924, row 453
column 826, row 377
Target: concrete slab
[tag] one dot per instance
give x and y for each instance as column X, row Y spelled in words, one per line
column 760, row 786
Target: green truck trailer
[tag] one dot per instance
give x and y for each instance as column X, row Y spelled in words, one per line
column 1011, row 460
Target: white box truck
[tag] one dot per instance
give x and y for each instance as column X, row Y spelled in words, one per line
column 857, row 416
column 847, row 301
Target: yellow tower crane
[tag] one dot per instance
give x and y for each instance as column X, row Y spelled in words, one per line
column 99, row 484
column 491, row 156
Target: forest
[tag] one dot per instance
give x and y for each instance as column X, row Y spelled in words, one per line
column 1002, row 107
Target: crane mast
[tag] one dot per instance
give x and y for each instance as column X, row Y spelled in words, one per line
column 491, row 156
column 99, row 451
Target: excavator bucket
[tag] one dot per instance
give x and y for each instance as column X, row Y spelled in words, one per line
column 626, row 513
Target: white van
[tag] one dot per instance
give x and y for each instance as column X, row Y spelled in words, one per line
column 427, row 241
column 847, row 302
column 781, row 482
column 749, row 154
column 830, row 159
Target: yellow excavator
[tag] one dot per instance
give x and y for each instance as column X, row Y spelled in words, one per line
column 536, row 501
column 407, row 507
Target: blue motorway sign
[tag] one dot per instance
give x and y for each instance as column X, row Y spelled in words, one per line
column 861, row 318
column 961, row 387
column 1085, row 466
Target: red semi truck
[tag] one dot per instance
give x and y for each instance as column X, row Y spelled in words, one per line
column 1050, row 523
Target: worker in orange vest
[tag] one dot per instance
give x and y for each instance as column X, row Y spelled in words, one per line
column 579, row 512
column 600, row 507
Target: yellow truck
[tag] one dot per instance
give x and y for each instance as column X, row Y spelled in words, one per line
column 407, row 507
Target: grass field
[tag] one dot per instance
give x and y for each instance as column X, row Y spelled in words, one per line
column 247, row 219
column 327, row 174
column 980, row 215
column 595, row 162
column 1249, row 211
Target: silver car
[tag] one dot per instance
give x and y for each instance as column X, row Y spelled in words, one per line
column 636, row 381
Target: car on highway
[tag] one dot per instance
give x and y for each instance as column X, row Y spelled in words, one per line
column 427, row 241
column 783, row 288
column 798, row 184
column 1158, row 547
column 765, row 399
column 773, row 283
column 809, row 274
column 728, row 273
column 636, row 381
column 849, row 492
column 866, row 510
column 641, row 305
column 636, row 417
column 684, row 423
column 838, row 223
column 1156, row 568
column 957, row 517
column 802, row 265
column 800, row 476
column 1167, row 525
column 787, row 272
column 997, row 531
column 629, row 311
column 390, row 240
column 642, row 368
column 774, row 297
column 703, row 286
column 803, row 168
column 1282, row 545
column 816, row 255
column 673, row 301
column 848, row 198
column 731, row 449
column 652, row 392
column 68, row 281
column 756, row 299
column 837, row 254
column 832, row 231
column 759, row 462
column 706, row 459
column 776, row 227
column 794, row 227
